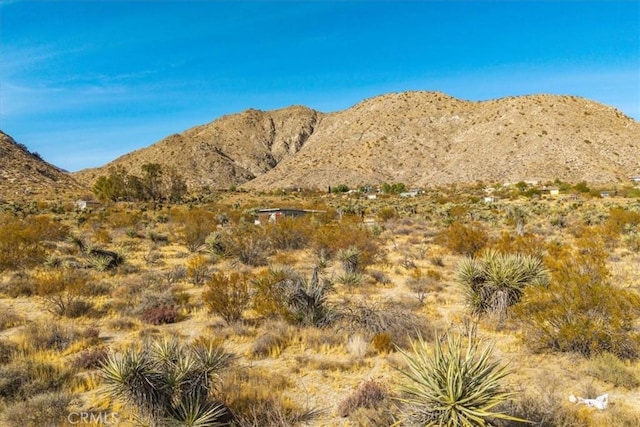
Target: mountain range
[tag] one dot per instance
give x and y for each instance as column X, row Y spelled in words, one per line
column 419, row 138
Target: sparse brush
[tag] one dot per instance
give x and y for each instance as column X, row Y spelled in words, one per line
column 455, row 385
column 369, row 394
column 228, row 295
column 41, row 410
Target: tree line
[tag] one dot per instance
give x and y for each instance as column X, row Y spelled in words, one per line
column 155, row 184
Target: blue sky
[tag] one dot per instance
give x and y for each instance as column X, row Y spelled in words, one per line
column 83, row 82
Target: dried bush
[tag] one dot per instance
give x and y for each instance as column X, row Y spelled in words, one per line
column 228, row 295
column 331, row 238
column 249, row 245
column 609, row 368
column 463, row 239
column 46, row 409
column 160, row 315
column 579, row 311
column 55, row 335
column 289, row 233
column 369, row 394
column 196, row 225
column 63, row 291
column 91, row 358
column 26, row 377
column 8, row 318
column 23, row 242
column 198, row 269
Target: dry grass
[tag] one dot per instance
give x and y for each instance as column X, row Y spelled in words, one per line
column 287, row 372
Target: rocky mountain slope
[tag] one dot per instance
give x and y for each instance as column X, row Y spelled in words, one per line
column 24, row 174
column 419, row 138
column 228, row 151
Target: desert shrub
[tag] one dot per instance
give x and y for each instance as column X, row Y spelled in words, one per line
column 168, row 382
column 289, row 233
column 26, row 377
column 228, row 295
column 387, row 213
column 23, row 241
column 608, row 367
column 383, row 317
column 350, row 259
column 257, row 397
column 63, row 291
column 457, row 384
column 528, row 244
column 463, row 239
column 198, row 269
column 249, row 245
column 369, row 394
column 331, row 238
column 286, row 294
column 55, row 335
column 496, row 281
column 273, row 342
column 18, row 283
column 579, row 311
column 357, row 346
column 91, row 358
column 42, row 410
column 8, row 349
column 196, row 225
column 382, row 342
column 160, row 315
column 622, row 220
column 8, row 318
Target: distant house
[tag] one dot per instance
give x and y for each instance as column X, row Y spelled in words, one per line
column 410, row 193
column 552, row 191
column 82, row 205
column 372, row 196
column 272, row 215
column 604, row 194
column 490, row 199
column 635, row 178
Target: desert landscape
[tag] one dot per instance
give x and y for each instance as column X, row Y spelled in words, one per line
column 415, row 259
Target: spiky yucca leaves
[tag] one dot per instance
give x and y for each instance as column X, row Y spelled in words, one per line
column 168, row 383
column 350, row 259
column 453, row 385
column 496, row 281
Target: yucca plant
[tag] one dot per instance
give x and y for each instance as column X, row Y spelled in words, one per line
column 496, row 281
column 168, row 383
column 454, row 385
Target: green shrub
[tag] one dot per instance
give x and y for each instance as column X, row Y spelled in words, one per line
column 496, row 281
column 168, row 382
column 455, row 385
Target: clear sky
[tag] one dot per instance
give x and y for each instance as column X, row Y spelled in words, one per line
column 83, row 82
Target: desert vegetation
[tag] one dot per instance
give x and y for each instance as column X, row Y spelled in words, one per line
column 439, row 309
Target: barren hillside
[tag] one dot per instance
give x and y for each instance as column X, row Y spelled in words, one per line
column 419, row 138
column 24, row 174
column 228, row 151
column 425, row 138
